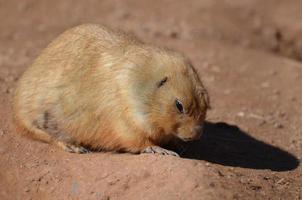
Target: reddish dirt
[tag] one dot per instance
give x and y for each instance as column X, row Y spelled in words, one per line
column 249, row 55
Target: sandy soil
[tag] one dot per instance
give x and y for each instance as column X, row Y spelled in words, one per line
column 249, row 55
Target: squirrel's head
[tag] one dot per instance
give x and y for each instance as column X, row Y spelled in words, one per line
column 171, row 97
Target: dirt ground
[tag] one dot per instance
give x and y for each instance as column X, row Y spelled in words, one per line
column 249, row 55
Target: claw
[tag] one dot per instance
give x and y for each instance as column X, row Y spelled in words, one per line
column 77, row 149
column 159, row 150
column 73, row 148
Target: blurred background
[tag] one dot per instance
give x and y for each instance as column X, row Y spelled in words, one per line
column 247, row 52
column 271, row 25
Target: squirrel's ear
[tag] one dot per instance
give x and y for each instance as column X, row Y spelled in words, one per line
column 162, row 82
column 206, row 99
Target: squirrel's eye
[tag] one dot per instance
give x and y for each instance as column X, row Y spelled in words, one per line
column 179, row 106
column 162, row 82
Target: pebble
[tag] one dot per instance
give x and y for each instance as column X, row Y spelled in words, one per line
column 261, row 122
column 9, row 90
column 278, row 125
column 2, row 132
column 256, row 187
column 276, row 92
column 240, row 114
column 281, row 181
column 265, row 85
column 220, row 173
column 173, row 34
column 227, row 91
column 273, row 73
column 293, row 98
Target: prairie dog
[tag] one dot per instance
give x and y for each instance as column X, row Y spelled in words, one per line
column 106, row 90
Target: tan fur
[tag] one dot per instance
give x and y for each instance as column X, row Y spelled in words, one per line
column 99, row 88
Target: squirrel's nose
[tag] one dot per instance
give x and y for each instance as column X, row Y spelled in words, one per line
column 198, row 129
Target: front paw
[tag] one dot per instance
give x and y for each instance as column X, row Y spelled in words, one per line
column 159, row 150
column 72, row 148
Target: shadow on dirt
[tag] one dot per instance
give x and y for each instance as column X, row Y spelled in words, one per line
column 228, row 145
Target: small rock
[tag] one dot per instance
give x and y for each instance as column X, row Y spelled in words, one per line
column 242, row 181
column 265, row 85
column 293, row 98
column 227, row 91
column 281, row 181
column 256, row 187
column 281, row 114
column 236, row 196
column 216, row 69
column 173, row 34
column 74, row 187
column 240, row 114
column 276, row 92
column 278, row 125
column 9, row 90
column 273, row 73
column 261, row 122
column 220, row 173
